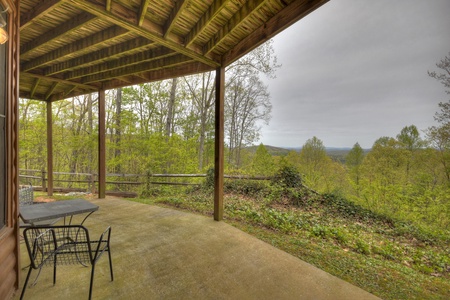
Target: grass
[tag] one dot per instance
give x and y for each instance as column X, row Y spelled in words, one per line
column 389, row 259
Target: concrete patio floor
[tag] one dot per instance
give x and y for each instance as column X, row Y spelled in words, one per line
column 161, row 253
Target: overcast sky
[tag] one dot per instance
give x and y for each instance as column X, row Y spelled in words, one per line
column 356, row 70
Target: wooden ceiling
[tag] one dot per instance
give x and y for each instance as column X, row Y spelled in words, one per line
column 75, row 47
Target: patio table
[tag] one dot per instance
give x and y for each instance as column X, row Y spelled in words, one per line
column 59, row 209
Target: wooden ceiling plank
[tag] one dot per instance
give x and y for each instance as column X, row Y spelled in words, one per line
column 84, row 44
column 213, row 10
column 50, row 35
column 121, row 16
column 62, row 81
column 180, row 5
column 39, row 10
column 134, row 59
column 135, row 69
column 108, row 5
column 99, row 55
column 157, row 75
column 143, row 11
column 51, row 90
column 239, row 17
column 286, row 17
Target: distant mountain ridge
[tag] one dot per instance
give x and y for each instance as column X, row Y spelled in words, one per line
column 337, row 153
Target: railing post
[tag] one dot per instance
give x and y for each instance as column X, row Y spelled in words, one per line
column 44, row 187
column 92, row 183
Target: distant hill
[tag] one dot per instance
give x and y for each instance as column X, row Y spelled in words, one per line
column 336, row 153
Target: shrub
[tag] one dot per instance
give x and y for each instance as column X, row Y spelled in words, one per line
column 209, row 180
column 288, row 176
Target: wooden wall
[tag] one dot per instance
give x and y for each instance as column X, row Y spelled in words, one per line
column 9, row 238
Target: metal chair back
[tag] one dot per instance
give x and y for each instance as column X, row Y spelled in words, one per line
column 65, row 245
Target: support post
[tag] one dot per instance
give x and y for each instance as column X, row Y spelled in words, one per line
column 49, row 149
column 101, row 145
column 219, row 144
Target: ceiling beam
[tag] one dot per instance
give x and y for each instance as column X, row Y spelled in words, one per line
column 39, row 10
column 213, row 10
column 62, row 81
column 139, row 68
column 161, row 74
column 97, row 56
column 180, row 5
column 72, row 24
column 127, row 19
column 51, row 90
column 143, row 11
column 34, row 87
column 138, row 58
column 244, row 12
column 82, row 45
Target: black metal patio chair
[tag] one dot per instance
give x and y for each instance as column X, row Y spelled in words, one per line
column 65, row 245
column 26, row 197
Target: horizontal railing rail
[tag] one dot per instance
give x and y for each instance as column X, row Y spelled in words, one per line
column 117, row 183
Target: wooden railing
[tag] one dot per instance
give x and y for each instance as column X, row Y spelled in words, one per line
column 116, row 184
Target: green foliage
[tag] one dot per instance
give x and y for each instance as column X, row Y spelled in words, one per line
column 287, row 176
column 209, row 180
column 362, row 247
column 262, row 163
column 245, row 187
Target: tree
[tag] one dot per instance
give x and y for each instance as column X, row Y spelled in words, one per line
column 439, row 136
column 409, row 138
column 353, row 161
column 247, row 102
column 313, row 157
column 263, row 163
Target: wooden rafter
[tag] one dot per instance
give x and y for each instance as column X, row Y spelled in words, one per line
column 111, row 52
column 244, row 13
column 215, row 8
column 180, row 5
column 73, row 47
column 84, row 45
column 40, row 10
column 126, row 18
column 34, row 87
column 51, row 90
column 139, row 68
column 143, row 11
column 47, row 37
column 53, row 79
column 130, row 61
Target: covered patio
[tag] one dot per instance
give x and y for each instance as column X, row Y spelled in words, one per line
column 161, row 253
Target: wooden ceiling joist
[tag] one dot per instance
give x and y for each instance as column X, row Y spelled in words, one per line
column 82, row 45
column 43, row 8
column 121, row 16
column 109, row 53
column 129, row 61
column 205, row 20
column 180, row 5
column 74, row 47
column 50, row 35
column 135, row 69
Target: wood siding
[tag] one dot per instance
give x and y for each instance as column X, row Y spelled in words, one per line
column 9, row 238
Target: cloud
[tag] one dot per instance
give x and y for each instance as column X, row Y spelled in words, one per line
column 357, row 70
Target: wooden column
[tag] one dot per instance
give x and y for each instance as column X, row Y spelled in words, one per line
column 101, row 145
column 49, row 149
column 218, row 144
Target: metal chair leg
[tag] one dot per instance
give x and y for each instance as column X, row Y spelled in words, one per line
column 26, row 283
column 92, row 281
column 110, row 264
